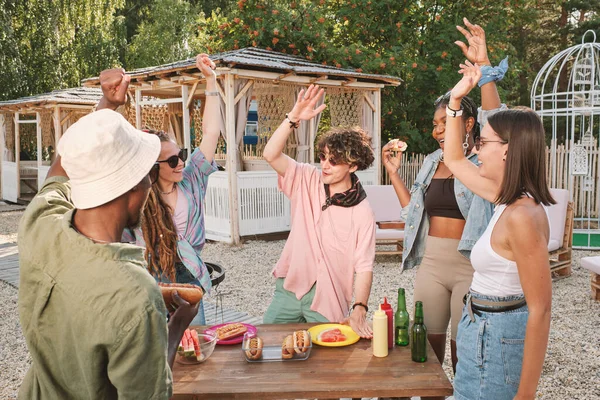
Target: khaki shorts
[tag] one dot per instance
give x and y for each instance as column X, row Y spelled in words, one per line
column 443, row 279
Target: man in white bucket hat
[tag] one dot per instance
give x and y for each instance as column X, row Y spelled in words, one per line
column 92, row 316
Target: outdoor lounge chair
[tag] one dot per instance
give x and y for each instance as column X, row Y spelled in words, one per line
column 385, row 205
column 560, row 247
column 593, row 265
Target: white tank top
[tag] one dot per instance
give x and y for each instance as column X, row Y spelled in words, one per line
column 494, row 275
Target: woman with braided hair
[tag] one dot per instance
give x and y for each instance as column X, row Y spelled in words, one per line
column 172, row 229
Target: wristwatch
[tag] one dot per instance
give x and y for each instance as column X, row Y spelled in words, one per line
column 453, row 113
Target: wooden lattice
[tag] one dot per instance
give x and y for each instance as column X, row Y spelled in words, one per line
column 76, row 115
column 273, row 101
column 154, row 117
column 196, row 117
column 47, row 128
column 9, row 129
column 345, row 106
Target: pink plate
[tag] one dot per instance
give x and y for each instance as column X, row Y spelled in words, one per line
column 235, row 340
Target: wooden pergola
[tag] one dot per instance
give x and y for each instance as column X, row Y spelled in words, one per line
column 242, row 200
column 42, row 118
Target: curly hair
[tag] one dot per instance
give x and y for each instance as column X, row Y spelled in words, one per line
column 158, row 229
column 350, row 146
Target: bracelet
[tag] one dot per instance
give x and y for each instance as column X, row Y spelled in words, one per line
column 293, row 124
column 360, row 304
column 493, row 74
column 454, row 113
column 214, row 93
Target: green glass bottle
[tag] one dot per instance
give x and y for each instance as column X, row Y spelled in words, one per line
column 419, row 335
column 401, row 321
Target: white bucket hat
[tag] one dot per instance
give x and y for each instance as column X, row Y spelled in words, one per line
column 104, row 157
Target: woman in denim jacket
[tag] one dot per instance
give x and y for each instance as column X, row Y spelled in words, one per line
column 444, row 219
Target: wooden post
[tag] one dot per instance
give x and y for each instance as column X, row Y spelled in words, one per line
column 186, row 116
column 138, row 108
column 232, row 158
column 312, row 131
column 38, row 134
column 57, row 130
column 377, row 134
column 2, row 145
column 18, row 154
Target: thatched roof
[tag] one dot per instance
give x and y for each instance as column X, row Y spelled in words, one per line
column 253, row 58
column 79, row 96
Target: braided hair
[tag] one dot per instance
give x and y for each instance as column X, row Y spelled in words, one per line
column 158, row 229
column 469, row 110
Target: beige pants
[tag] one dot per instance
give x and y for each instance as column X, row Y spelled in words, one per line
column 443, row 278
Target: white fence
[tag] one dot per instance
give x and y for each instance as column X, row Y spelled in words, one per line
column 262, row 208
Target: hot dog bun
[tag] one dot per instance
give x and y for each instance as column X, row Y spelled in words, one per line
column 287, row 348
column 190, row 293
column 230, row 331
column 255, row 347
column 301, row 341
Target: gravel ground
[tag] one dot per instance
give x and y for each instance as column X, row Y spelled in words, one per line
column 570, row 371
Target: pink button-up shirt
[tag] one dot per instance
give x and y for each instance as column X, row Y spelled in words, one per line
column 326, row 247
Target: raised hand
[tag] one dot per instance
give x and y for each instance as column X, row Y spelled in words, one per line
column 476, row 52
column 304, row 109
column 205, row 65
column 471, row 73
column 114, row 83
column 391, row 159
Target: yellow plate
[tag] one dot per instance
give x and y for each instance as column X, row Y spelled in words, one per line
column 351, row 336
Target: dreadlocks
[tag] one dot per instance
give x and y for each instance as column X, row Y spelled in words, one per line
column 159, row 230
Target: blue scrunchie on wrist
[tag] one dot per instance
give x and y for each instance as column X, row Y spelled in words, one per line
column 493, row 74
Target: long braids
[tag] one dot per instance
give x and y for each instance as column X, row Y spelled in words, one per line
column 158, row 229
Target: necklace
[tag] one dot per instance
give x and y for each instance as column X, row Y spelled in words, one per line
column 91, row 238
column 172, row 190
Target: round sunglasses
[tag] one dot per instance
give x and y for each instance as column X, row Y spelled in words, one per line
column 332, row 160
column 174, row 160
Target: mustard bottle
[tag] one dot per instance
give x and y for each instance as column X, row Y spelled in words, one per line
column 380, row 333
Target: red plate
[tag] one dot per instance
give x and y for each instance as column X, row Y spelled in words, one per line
column 234, row 340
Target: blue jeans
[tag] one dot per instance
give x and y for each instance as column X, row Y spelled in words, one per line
column 490, row 352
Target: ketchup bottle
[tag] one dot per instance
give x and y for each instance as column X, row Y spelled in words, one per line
column 387, row 308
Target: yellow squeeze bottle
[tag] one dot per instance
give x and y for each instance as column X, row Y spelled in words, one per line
column 380, row 333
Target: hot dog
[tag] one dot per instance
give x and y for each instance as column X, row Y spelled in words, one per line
column 301, row 341
column 190, row 293
column 230, row 331
column 287, row 348
column 255, row 346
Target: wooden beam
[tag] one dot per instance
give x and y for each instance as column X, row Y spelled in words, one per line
column 243, row 91
column 377, row 134
column 57, row 128
column 38, row 136
column 369, row 102
column 220, row 89
column 283, row 76
column 232, row 158
column 191, row 94
column 185, row 96
column 349, row 81
column 318, row 78
column 138, row 108
column 67, row 116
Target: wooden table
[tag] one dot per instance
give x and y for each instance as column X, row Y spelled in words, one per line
column 329, row 372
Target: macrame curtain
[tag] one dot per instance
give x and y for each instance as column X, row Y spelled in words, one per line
column 345, row 106
column 274, row 101
column 48, row 142
column 368, row 117
column 9, row 137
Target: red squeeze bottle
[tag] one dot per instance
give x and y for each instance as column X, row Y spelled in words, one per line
column 385, row 306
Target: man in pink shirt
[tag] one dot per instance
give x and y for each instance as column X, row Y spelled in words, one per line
column 333, row 227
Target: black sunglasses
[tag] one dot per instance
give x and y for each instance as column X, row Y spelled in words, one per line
column 153, row 174
column 174, row 160
column 332, row 161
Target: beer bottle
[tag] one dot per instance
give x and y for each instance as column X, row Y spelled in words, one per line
column 402, row 320
column 419, row 336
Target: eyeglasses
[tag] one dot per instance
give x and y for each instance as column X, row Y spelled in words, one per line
column 323, row 158
column 153, row 174
column 479, row 142
column 174, row 160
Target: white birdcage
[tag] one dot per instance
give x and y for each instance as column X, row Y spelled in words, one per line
column 566, row 95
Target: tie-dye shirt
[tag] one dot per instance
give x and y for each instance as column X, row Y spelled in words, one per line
column 189, row 244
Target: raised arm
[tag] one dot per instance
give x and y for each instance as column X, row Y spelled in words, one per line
column 114, row 83
column 304, row 110
column 391, row 162
column 212, row 104
column 454, row 158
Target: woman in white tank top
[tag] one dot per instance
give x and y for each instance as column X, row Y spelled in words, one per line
column 503, row 333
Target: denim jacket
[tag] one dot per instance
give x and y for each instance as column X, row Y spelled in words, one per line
column 477, row 213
